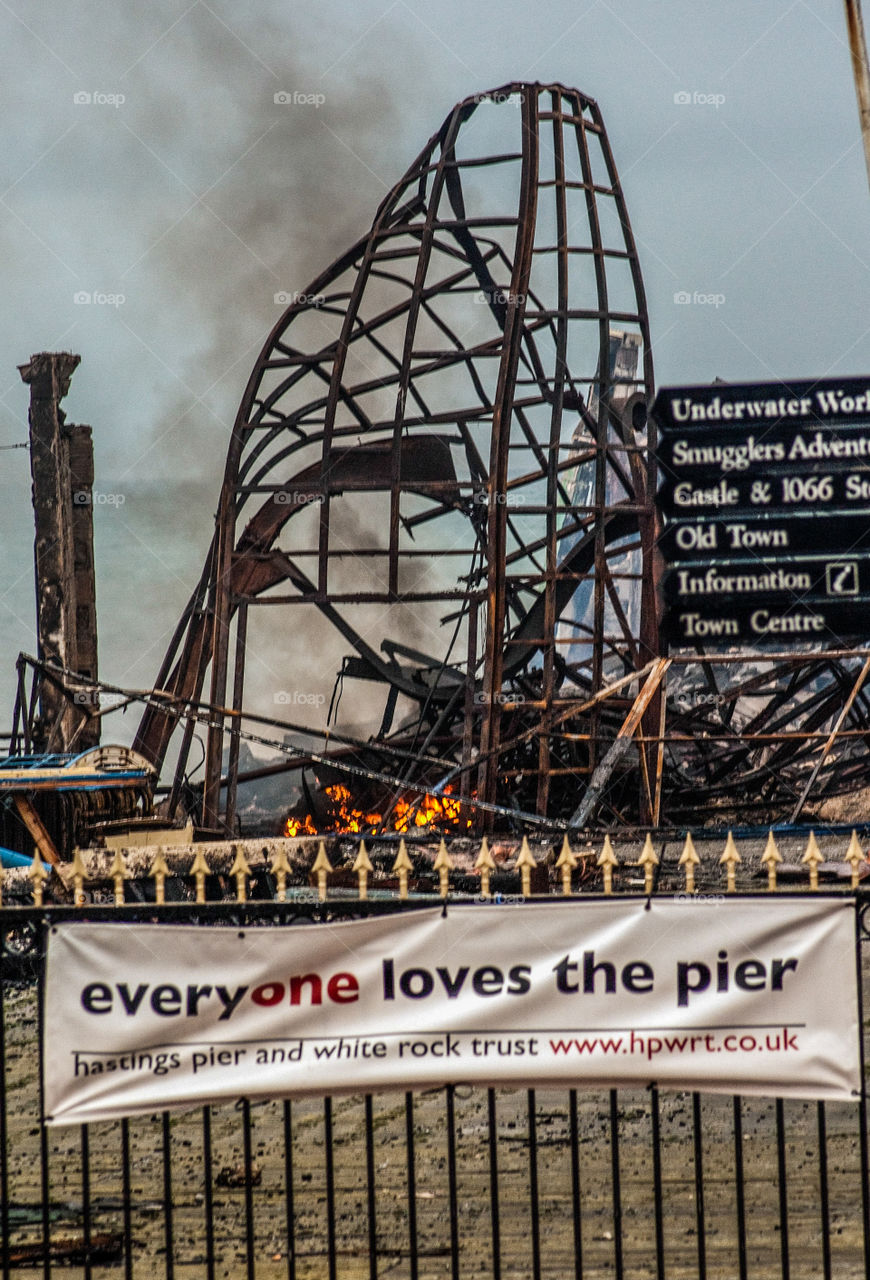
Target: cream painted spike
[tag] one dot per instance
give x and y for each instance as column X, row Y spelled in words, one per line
column 240, row 870
column 607, row 860
column 118, row 872
column 199, row 869
column 649, row 860
column 855, row 856
column 443, row 864
column 363, row 868
column 78, row 878
column 689, row 859
column 322, row 867
column 159, row 872
column 401, row 867
column 485, row 864
column 730, row 860
column 566, row 863
column 771, row 858
column 812, row 857
column 525, row 864
column 38, row 876
column 281, row 869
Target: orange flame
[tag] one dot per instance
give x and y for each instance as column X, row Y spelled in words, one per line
column 428, row 811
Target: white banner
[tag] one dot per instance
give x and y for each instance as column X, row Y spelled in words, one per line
column 752, row 996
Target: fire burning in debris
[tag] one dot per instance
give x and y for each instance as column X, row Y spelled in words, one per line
column 427, row 811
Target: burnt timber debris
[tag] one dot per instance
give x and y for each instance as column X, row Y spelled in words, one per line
column 443, row 460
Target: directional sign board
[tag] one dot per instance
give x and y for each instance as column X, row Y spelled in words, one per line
column 764, row 496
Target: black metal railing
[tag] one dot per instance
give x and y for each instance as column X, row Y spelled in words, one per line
column 458, row 1182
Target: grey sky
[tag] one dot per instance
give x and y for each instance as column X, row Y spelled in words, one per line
column 198, row 198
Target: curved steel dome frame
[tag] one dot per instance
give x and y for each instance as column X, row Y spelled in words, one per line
column 446, row 434
column 463, row 364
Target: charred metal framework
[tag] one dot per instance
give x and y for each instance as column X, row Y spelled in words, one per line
column 442, row 458
column 450, row 425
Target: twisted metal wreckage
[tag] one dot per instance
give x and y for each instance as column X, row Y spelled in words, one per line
column 445, row 439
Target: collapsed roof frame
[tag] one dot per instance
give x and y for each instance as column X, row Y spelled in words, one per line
column 539, row 365
column 481, row 359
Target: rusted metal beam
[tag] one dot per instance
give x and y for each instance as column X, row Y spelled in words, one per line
column 36, row 828
column 605, row 769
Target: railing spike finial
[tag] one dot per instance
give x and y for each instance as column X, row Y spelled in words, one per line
column 118, row 872
column 607, row 860
column 159, row 872
column 363, row 868
column 689, row 859
column 525, row 864
column 649, row 860
column 401, row 867
column 280, row 869
column 37, row 875
column 79, row 871
column 443, row 864
column 322, row 867
column 485, row 864
column 240, row 870
column 566, row 862
column 730, row 860
column 855, row 856
column 812, row 857
column 771, row 858
column 199, row 869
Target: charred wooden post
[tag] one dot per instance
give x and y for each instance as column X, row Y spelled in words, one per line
column 62, row 471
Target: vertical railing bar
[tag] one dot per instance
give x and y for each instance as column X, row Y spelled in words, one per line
column 248, row 1153
column 782, row 1174
column 330, row 1187
column 533, row 1187
column 698, row 1148
column 86, row 1199
column 576, row 1208
column 5, row 1189
column 370, row 1189
column 862, row 1100
column 44, row 1180
column 824, row 1196
column 740, row 1189
column 412, row 1186
column 288, row 1190
column 492, row 1121
column 127, row 1198
column 453, row 1199
column 207, row 1193
column 169, row 1234
column 657, row 1182
column 617, row 1189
